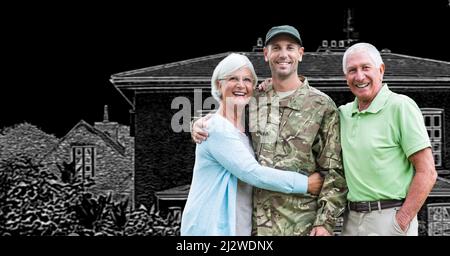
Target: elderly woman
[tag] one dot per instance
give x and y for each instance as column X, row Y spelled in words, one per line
column 219, row 202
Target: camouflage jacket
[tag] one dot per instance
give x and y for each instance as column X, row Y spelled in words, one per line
column 298, row 133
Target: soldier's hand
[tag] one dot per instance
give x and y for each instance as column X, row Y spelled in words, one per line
column 199, row 133
column 319, row 231
column 263, row 86
column 315, row 182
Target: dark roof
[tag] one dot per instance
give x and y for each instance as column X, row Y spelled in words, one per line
column 108, row 140
column 319, row 67
column 180, row 192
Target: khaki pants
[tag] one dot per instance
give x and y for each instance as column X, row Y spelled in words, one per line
column 376, row 223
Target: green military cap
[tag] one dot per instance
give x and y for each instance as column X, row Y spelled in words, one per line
column 285, row 29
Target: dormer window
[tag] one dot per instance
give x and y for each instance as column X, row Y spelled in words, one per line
column 84, row 157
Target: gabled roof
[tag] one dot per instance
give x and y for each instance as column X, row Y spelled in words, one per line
column 108, row 140
column 322, row 68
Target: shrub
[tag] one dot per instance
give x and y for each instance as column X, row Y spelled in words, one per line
column 33, row 201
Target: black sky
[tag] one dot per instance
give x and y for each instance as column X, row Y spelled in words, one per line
column 57, row 60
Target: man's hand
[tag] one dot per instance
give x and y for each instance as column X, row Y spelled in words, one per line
column 264, row 84
column 422, row 184
column 403, row 222
column 315, row 182
column 319, row 231
column 199, row 133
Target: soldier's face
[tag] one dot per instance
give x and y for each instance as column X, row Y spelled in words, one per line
column 363, row 77
column 237, row 88
column 283, row 54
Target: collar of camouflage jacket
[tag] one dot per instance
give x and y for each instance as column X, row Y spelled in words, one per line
column 293, row 101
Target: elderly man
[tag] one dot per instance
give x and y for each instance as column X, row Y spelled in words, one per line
column 387, row 158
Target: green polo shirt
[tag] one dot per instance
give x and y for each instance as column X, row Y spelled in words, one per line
column 376, row 144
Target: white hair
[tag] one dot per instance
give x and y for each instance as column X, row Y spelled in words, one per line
column 374, row 54
column 228, row 65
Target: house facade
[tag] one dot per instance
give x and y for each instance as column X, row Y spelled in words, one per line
column 161, row 96
column 103, row 152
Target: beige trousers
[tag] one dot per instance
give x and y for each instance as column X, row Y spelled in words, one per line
column 376, row 223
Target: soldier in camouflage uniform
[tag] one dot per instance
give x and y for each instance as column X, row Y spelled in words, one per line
column 295, row 127
column 298, row 133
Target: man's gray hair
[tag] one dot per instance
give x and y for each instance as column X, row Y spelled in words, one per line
column 228, row 65
column 374, row 54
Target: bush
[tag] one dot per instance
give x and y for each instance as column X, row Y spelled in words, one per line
column 25, row 140
column 143, row 223
column 33, row 201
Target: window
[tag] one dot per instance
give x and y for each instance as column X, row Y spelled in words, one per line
column 333, row 43
column 439, row 219
column 433, row 118
column 84, row 157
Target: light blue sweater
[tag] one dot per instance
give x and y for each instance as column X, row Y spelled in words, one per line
column 219, row 161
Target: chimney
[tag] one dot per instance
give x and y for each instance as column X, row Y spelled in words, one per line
column 342, row 45
column 105, row 114
column 110, row 128
column 349, row 29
